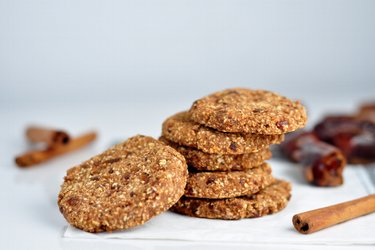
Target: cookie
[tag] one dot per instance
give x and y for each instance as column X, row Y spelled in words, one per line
column 217, row 185
column 270, row 200
column 241, row 110
column 202, row 161
column 180, row 129
column 123, row 187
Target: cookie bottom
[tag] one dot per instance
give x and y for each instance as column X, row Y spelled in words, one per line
column 270, row 200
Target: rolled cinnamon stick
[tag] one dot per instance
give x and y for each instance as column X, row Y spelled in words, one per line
column 52, row 137
column 315, row 220
column 35, row 157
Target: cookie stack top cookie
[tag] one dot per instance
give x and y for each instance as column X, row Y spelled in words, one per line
column 241, row 110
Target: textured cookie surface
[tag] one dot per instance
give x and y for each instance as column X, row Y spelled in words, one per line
column 268, row 201
column 249, row 111
column 180, row 129
column 202, row 161
column 123, row 187
column 215, row 185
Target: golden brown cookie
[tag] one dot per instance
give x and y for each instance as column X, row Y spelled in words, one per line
column 243, row 110
column 180, row 129
column 268, row 201
column 202, row 161
column 217, row 185
column 123, row 187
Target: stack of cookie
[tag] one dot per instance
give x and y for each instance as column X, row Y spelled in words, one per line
column 225, row 139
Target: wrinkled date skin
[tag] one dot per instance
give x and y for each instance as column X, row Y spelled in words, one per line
column 353, row 135
column 323, row 163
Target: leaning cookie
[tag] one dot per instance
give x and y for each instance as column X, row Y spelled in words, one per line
column 270, row 200
column 217, row 185
column 243, row 110
column 123, row 187
column 202, row 161
column 180, row 129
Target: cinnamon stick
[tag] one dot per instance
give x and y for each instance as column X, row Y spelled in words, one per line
column 35, row 157
column 315, row 220
column 52, row 137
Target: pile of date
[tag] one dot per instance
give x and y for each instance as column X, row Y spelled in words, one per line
column 332, row 143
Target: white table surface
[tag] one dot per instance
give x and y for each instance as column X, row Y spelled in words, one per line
column 29, row 213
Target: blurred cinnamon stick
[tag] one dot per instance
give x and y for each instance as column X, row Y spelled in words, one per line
column 52, row 137
column 35, row 157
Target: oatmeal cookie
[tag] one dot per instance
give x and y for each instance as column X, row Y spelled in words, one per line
column 123, row 187
column 217, row 185
column 270, row 200
column 241, row 110
column 180, row 129
column 202, row 161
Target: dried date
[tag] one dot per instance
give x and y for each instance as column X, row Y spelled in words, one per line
column 323, row 163
column 353, row 135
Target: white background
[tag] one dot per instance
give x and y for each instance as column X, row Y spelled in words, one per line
column 91, row 50
column 122, row 67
